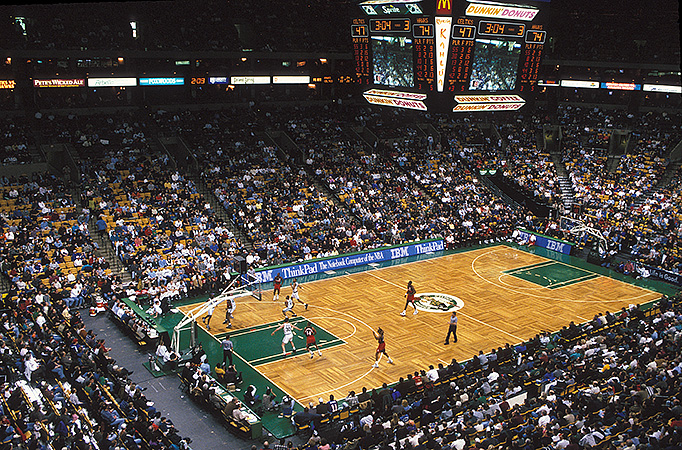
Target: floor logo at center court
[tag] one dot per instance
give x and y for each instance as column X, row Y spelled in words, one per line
column 433, row 302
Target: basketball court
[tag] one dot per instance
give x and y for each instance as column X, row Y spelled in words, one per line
column 503, row 294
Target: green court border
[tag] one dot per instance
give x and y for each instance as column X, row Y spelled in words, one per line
column 575, row 281
column 278, row 427
column 588, row 275
column 336, row 341
column 531, row 266
column 657, row 286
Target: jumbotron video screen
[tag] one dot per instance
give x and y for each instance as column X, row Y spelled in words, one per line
column 449, row 55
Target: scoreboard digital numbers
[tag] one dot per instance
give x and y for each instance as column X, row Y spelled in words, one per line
column 423, row 32
column 360, row 36
column 461, row 53
column 450, row 50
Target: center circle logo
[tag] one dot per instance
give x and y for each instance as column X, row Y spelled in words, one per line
column 434, row 302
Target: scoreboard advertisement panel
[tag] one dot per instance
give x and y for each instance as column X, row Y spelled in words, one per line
column 447, row 48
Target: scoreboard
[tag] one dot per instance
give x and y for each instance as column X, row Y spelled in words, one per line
column 451, row 52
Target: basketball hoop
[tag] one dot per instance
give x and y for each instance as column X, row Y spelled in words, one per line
column 572, row 226
column 191, row 316
column 578, row 228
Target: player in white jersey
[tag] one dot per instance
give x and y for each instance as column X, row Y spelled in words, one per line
column 288, row 307
column 294, row 292
column 289, row 334
column 207, row 318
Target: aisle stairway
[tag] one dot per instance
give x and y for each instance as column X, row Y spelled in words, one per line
column 104, row 246
column 106, row 249
column 567, row 193
column 317, row 181
column 218, row 209
column 5, row 284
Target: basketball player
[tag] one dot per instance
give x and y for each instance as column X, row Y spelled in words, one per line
column 294, row 292
column 276, row 286
column 310, row 340
column 288, row 329
column 409, row 296
column 381, row 347
column 230, row 306
column 288, row 307
column 207, row 318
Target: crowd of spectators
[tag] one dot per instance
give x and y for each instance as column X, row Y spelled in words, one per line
column 587, row 128
column 584, row 143
column 93, row 135
column 46, row 248
column 658, row 217
column 657, row 132
column 165, row 233
column 279, row 209
column 211, row 135
column 312, row 126
column 16, row 141
column 625, row 202
column 62, row 390
column 467, row 211
column 392, row 124
column 407, row 186
column 523, row 160
column 389, row 204
column 466, row 137
column 612, row 382
column 278, row 205
column 283, row 211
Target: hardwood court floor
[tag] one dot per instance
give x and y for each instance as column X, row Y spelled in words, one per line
column 498, row 308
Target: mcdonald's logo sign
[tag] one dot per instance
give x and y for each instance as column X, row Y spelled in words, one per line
column 444, row 7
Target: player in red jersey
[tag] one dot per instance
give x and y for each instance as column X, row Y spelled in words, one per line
column 409, row 296
column 276, row 286
column 310, row 340
column 381, row 347
column 230, row 306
